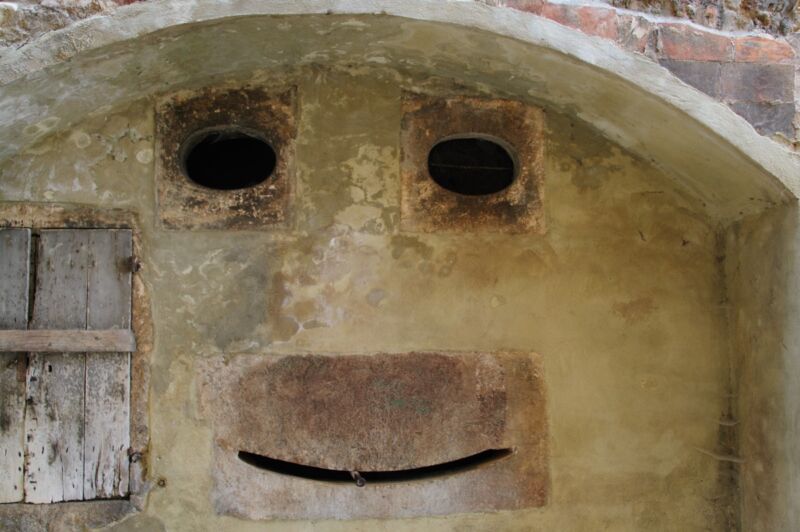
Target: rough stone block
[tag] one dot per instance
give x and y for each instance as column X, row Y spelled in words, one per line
column 383, row 416
column 750, row 82
column 762, row 50
column 596, row 21
column 685, row 43
column 768, row 118
column 529, row 6
column 774, row 16
column 702, row 75
column 634, row 33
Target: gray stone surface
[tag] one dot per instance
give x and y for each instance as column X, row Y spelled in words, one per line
column 768, row 118
column 745, row 82
column 702, row 75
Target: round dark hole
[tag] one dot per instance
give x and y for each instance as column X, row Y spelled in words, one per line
column 228, row 160
column 472, row 166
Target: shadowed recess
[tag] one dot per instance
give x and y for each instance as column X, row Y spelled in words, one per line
column 360, row 478
column 471, row 166
column 228, row 160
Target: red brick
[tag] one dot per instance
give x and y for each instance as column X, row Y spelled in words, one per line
column 762, row 50
column 634, row 32
column 557, row 13
column 685, row 43
column 529, row 6
column 597, row 21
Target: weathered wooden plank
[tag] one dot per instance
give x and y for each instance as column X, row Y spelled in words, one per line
column 107, row 424
column 14, row 284
column 109, row 291
column 14, row 277
column 54, row 415
column 68, row 341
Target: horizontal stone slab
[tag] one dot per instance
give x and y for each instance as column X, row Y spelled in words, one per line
column 443, row 432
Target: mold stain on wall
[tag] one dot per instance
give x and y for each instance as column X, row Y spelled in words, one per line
column 619, row 297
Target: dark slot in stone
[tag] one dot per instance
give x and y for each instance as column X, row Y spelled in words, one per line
column 472, row 166
column 360, row 478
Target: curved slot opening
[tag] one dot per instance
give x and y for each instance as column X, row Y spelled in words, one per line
column 360, row 478
column 471, row 166
column 228, row 159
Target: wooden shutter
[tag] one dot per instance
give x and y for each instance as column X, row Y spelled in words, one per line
column 14, row 276
column 77, row 408
column 107, row 422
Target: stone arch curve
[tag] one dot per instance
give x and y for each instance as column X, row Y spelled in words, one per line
column 153, row 47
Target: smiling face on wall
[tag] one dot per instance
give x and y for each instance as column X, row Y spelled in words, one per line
column 617, row 297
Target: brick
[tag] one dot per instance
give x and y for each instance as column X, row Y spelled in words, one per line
column 752, row 82
column 634, row 32
column 702, row 75
column 557, row 13
column 762, row 50
column 529, row 6
column 768, row 118
column 596, row 21
column 685, row 43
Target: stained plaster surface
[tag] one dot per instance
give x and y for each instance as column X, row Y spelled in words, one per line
column 762, row 278
column 619, row 297
column 55, row 81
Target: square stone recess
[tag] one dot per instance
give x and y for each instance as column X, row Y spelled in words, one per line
column 183, row 204
column 427, row 207
column 404, row 421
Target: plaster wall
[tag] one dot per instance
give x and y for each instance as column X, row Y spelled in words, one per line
column 762, row 261
column 620, row 297
column 155, row 47
column 752, row 73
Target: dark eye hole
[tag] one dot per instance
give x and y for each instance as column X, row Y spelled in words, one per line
column 472, row 166
column 227, row 159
